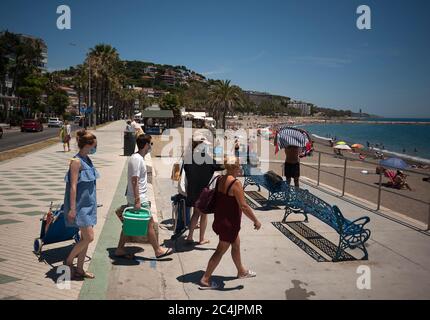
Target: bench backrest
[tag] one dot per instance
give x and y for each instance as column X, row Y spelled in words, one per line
column 322, row 210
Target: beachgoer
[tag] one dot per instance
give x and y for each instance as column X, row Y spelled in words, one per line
column 80, row 203
column 400, row 180
column 129, row 127
column 67, row 136
column 137, row 196
column 198, row 176
column 137, row 127
column 229, row 205
column 236, row 147
column 292, row 165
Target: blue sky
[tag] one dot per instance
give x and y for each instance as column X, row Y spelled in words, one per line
column 309, row 50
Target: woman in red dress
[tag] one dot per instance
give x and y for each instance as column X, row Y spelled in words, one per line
column 230, row 203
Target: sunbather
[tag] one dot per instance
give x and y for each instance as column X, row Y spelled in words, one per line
column 400, row 181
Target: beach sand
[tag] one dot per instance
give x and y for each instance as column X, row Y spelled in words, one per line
column 365, row 186
column 414, row 204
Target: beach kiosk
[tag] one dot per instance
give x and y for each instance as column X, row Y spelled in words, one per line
column 156, row 121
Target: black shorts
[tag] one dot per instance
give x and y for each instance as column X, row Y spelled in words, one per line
column 292, row 170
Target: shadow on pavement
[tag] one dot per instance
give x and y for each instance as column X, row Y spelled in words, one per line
column 180, row 245
column 122, row 261
column 56, row 255
column 195, row 277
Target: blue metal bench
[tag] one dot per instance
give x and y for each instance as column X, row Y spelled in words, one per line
column 352, row 234
column 279, row 193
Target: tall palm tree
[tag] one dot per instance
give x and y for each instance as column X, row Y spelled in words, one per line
column 222, row 98
column 105, row 74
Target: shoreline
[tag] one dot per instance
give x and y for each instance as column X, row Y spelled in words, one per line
column 269, row 121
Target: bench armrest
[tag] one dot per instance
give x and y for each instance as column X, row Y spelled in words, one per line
column 360, row 222
column 357, row 221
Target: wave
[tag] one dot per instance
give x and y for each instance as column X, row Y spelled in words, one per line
column 322, row 138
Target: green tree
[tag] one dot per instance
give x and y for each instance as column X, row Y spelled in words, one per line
column 58, row 101
column 222, row 98
column 31, row 93
column 171, row 102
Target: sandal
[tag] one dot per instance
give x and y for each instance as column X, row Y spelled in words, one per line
column 213, row 286
column 204, row 242
column 249, row 274
column 85, row 275
column 168, row 252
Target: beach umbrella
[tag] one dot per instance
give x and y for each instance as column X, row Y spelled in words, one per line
column 395, row 163
column 342, row 147
column 289, row 136
column 341, row 143
column 357, row 146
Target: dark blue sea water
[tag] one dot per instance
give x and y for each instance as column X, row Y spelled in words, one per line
column 398, row 119
column 409, row 139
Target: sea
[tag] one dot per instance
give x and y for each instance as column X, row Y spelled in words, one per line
column 404, row 140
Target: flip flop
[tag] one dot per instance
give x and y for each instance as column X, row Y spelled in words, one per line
column 167, row 253
column 85, row 275
column 249, row 274
column 213, row 286
column 203, row 243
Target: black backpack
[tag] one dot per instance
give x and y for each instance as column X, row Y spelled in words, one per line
column 273, row 178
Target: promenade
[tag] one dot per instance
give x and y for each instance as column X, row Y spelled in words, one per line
column 399, row 259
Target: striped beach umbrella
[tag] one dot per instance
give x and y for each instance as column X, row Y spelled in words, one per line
column 288, row 136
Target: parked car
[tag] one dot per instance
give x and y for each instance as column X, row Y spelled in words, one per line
column 55, row 122
column 32, row 125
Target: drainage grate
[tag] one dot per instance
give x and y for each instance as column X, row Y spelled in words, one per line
column 260, row 199
column 300, row 243
column 325, row 245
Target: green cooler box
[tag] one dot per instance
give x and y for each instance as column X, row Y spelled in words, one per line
column 136, row 222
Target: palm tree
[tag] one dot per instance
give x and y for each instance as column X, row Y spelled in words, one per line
column 105, row 75
column 222, row 98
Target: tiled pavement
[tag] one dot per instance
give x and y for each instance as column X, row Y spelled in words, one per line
column 27, row 186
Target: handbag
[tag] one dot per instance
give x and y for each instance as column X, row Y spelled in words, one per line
column 207, row 198
column 182, row 184
column 176, row 172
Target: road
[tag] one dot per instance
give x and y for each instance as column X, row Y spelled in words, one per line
column 13, row 139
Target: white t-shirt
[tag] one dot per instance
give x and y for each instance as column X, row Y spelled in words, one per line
column 69, row 129
column 135, row 125
column 137, row 168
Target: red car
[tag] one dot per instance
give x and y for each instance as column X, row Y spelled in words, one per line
column 31, row 125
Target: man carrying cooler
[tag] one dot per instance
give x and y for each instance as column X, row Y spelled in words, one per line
column 136, row 196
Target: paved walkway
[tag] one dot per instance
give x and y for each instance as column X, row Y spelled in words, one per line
column 399, row 257
column 28, row 185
